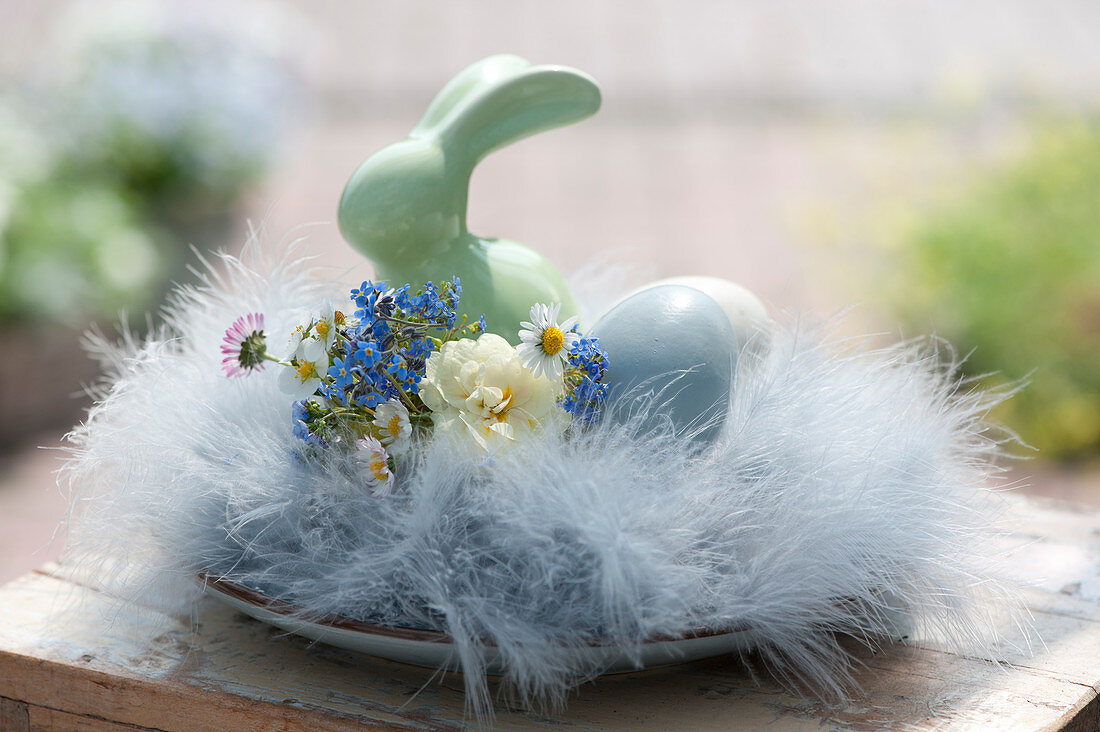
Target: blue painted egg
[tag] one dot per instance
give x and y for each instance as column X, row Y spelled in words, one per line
column 673, row 344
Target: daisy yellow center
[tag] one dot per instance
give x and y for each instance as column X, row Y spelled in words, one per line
column 552, row 340
column 306, row 370
column 394, row 426
column 378, row 467
column 322, row 328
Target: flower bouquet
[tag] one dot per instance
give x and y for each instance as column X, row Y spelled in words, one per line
column 450, row 472
column 399, row 371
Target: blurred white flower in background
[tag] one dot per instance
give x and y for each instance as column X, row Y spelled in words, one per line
column 178, row 97
column 135, row 133
column 143, row 128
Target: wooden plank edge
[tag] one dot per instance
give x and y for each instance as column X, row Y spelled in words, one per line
column 47, row 718
column 1086, row 700
column 1086, row 719
column 160, row 705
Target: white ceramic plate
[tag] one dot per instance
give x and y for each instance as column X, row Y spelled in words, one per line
column 432, row 649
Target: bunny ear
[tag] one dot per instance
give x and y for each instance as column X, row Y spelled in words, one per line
column 467, row 84
column 504, row 99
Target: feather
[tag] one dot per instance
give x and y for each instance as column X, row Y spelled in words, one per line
column 848, row 492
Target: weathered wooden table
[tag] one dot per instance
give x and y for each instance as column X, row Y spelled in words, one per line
column 63, row 667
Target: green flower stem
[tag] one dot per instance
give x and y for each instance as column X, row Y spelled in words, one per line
column 404, row 397
column 453, row 331
column 342, row 411
column 399, row 321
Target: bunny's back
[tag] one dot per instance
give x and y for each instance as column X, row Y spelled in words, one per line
column 405, row 206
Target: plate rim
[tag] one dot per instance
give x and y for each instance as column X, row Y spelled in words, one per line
column 291, row 611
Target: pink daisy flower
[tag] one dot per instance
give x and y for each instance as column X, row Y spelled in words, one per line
column 244, row 345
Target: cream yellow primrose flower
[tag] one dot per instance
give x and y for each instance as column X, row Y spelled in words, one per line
column 482, row 395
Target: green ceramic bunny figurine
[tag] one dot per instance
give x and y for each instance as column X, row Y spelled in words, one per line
column 405, row 206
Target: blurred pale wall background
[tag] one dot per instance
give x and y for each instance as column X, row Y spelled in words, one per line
column 765, row 142
column 726, row 127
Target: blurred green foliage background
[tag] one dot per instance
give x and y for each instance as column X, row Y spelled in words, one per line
column 135, row 136
column 148, row 126
column 1010, row 270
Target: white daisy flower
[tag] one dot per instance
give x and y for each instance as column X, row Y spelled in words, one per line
column 310, row 364
column 294, row 343
column 373, row 461
column 319, row 329
column 392, row 421
column 545, row 344
column 324, row 328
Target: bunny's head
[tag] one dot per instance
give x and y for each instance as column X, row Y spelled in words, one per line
column 405, row 207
